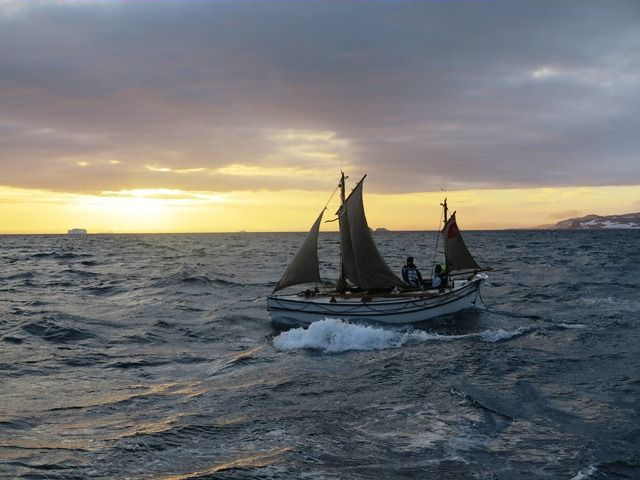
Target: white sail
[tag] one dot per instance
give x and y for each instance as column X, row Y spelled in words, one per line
column 304, row 267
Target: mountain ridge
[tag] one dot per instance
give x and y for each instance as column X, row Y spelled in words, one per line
column 598, row 222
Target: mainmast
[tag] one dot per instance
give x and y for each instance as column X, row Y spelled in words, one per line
column 446, row 210
column 342, row 282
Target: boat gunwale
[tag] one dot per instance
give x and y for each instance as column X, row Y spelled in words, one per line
column 401, row 297
column 368, row 310
column 450, row 297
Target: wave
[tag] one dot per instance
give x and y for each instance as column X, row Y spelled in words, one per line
column 52, row 332
column 334, row 336
column 250, row 460
column 500, row 334
column 482, row 404
column 102, row 290
column 137, row 363
column 132, row 392
column 86, row 360
column 19, row 276
column 82, row 273
column 196, row 279
column 191, row 276
column 18, row 423
column 586, row 473
column 570, row 326
column 60, row 255
column 10, row 339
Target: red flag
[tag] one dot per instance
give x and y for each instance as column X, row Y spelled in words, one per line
column 453, row 231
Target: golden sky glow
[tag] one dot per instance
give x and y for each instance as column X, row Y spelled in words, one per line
column 246, row 122
column 166, row 210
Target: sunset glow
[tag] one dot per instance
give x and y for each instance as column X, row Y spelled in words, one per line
column 164, row 210
column 246, row 122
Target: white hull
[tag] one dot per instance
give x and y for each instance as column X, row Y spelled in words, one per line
column 394, row 309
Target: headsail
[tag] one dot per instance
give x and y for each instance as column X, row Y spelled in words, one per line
column 455, row 250
column 304, row 267
column 363, row 264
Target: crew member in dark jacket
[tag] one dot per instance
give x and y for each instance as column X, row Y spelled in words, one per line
column 411, row 274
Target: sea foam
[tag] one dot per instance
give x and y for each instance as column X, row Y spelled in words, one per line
column 333, row 335
column 586, row 473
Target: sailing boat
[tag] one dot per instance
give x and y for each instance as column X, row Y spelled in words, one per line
column 367, row 289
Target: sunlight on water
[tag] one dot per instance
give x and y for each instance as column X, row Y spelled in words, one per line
column 152, row 356
column 259, row 459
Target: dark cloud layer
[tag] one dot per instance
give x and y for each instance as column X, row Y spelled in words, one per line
column 417, row 94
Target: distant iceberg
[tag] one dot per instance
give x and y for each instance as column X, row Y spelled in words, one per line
column 77, row 231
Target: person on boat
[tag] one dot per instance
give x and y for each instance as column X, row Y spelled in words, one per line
column 439, row 279
column 436, row 280
column 411, row 274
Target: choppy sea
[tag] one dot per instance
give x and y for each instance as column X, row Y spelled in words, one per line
column 152, row 357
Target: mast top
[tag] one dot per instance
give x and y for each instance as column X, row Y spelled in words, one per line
column 446, row 210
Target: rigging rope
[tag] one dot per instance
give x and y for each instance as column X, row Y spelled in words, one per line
column 328, row 201
column 331, row 196
column 503, row 313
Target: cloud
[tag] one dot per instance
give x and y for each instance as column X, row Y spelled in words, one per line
column 218, row 96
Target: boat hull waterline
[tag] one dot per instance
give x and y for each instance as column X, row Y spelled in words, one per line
column 400, row 309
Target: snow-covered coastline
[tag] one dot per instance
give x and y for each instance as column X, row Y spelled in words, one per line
column 598, row 222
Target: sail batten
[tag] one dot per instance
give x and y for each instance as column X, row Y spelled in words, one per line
column 363, row 264
column 456, row 252
column 304, row 268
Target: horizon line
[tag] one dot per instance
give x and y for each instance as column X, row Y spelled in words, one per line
column 547, row 229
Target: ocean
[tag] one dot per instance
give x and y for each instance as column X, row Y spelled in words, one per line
column 153, row 357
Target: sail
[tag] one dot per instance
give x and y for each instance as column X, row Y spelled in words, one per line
column 304, row 267
column 349, row 271
column 370, row 269
column 455, row 250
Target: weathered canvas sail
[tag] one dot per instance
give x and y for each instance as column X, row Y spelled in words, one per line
column 455, row 250
column 304, row 267
column 349, row 271
column 370, row 268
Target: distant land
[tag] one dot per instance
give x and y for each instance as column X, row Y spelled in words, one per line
column 598, row 222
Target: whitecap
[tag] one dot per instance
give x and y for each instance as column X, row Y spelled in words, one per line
column 572, row 325
column 500, row 334
column 586, row 473
column 333, row 335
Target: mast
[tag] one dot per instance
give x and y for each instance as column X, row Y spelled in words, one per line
column 446, row 210
column 444, row 224
column 342, row 283
column 361, row 262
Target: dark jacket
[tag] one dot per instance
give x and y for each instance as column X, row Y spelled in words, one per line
column 411, row 275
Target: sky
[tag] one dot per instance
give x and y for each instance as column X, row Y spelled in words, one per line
column 189, row 116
